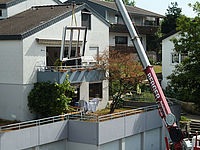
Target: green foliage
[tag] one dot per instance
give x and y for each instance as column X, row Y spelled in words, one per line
column 185, row 80
column 50, row 99
column 169, row 23
column 183, row 118
column 126, row 2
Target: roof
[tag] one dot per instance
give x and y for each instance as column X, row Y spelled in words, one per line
column 4, row 1
column 168, row 35
column 35, row 19
column 131, row 9
column 9, row 3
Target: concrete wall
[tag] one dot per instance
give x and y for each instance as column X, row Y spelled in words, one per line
column 131, row 132
column 27, row 4
column 34, row 136
column 167, row 65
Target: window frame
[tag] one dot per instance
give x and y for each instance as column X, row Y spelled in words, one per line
column 117, row 39
column 1, row 13
column 83, row 23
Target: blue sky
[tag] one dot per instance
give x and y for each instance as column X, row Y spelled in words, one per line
column 160, row 6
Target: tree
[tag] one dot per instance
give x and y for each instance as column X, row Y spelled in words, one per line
column 169, row 23
column 185, row 80
column 126, row 2
column 124, row 74
column 50, row 99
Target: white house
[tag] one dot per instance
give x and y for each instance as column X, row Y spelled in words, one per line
column 22, row 50
column 9, row 8
column 170, row 58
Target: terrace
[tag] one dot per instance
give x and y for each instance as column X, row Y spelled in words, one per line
column 92, row 129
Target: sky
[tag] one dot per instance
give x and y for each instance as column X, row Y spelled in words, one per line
column 160, row 6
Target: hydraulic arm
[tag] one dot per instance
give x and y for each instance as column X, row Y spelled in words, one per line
column 163, row 107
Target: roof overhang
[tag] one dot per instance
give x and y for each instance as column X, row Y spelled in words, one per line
column 51, row 22
column 14, row 2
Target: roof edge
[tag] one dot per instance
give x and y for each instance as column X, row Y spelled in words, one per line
column 14, row 2
column 168, row 35
column 58, row 2
column 97, row 15
column 49, row 23
column 11, row 37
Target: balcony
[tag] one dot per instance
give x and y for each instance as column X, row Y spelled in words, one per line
column 76, row 74
column 123, row 48
column 141, row 29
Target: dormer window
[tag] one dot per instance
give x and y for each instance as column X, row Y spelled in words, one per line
column 86, row 19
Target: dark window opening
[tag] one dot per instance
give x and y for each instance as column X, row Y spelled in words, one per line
column 175, row 57
column 73, row 52
column 95, row 90
column 1, row 13
column 86, row 19
column 122, row 40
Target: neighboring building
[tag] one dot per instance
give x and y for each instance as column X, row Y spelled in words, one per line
column 9, row 8
column 170, row 58
column 146, row 23
column 25, row 40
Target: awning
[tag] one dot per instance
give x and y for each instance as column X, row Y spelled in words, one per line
column 56, row 42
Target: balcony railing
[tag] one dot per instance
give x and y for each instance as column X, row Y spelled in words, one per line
column 123, row 48
column 141, row 29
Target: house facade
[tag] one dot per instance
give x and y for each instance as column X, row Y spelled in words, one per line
column 145, row 22
column 9, row 8
column 22, row 51
column 170, row 58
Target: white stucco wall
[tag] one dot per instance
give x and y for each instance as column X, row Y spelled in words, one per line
column 167, row 66
column 20, row 7
column 13, row 102
column 98, row 36
column 113, row 34
column 11, row 62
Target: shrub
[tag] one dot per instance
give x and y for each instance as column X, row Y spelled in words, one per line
column 50, row 99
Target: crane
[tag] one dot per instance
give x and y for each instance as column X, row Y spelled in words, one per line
column 163, row 108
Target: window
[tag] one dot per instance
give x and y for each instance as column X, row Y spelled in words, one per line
column 175, row 58
column 183, row 56
column 178, row 58
column 1, row 13
column 121, row 40
column 116, row 19
column 86, row 19
column 95, row 90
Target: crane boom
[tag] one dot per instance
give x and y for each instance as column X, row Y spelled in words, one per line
column 163, row 107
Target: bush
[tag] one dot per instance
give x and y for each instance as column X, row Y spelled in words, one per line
column 50, row 99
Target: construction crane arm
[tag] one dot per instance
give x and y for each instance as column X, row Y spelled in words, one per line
column 164, row 109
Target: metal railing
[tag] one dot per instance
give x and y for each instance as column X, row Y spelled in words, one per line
column 91, row 117
column 63, row 68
